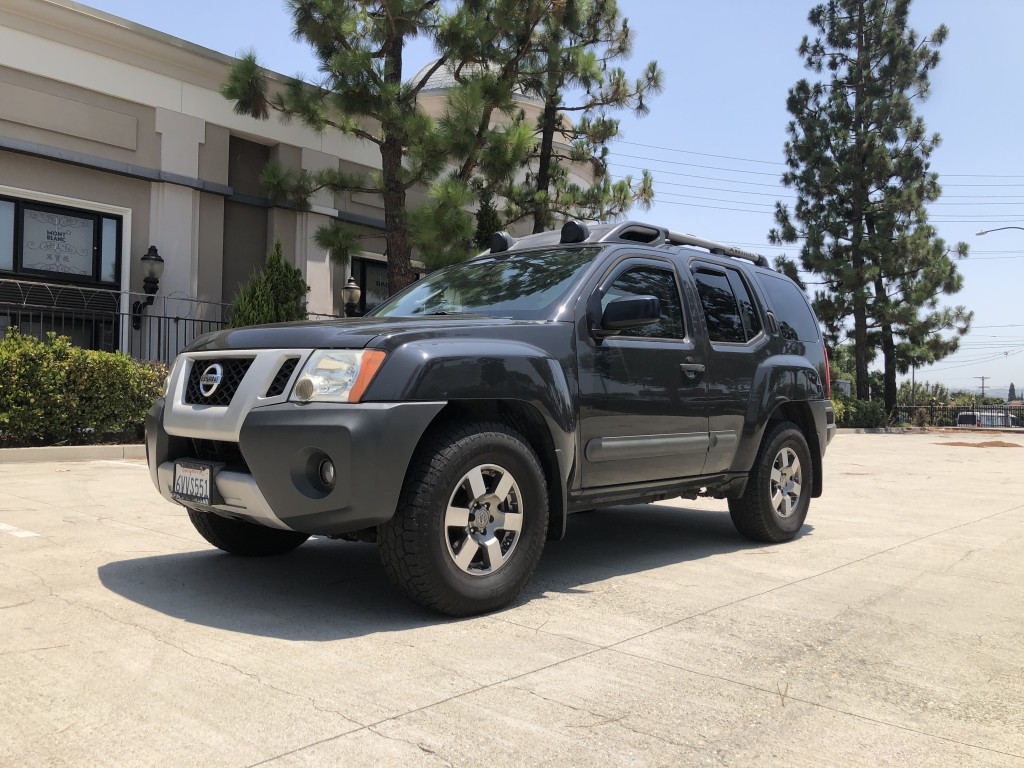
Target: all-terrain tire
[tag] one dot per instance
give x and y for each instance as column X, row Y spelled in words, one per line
column 774, row 505
column 471, row 520
column 238, row 537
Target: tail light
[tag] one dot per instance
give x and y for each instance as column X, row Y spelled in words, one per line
column 828, row 376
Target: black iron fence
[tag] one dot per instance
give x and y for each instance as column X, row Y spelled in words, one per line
column 108, row 320
column 961, row 415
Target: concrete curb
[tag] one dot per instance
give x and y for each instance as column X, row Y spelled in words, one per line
column 878, row 430
column 72, row 453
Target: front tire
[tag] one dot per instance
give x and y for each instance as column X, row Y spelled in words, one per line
column 238, row 537
column 774, row 505
column 471, row 521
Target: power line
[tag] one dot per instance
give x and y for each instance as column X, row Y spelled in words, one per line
column 776, row 162
column 612, row 161
column 701, row 154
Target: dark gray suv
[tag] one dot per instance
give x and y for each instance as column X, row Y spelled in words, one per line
column 462, row 421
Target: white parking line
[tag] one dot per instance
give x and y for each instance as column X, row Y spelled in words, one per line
column 16, row 531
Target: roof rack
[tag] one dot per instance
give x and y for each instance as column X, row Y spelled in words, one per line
column 636, row 231
column 628, row 231
column 676, row 238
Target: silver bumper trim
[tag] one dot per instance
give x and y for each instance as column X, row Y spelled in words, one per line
column 241, row 495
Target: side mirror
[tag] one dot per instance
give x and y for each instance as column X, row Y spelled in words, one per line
column 628, row 312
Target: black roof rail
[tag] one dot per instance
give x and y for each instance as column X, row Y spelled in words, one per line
column 627, row 231
column 636, row 231
column 677, row 238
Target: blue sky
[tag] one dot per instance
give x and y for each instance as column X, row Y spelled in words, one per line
column 714, row 137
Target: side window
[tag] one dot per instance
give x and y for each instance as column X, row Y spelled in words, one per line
column 796, row 321
column 721, row 312
column 651, row 281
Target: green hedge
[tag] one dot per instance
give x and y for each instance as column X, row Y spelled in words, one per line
column 865, row 414
column 54, row 393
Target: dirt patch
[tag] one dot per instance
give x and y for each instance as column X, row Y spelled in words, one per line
column 986, row 444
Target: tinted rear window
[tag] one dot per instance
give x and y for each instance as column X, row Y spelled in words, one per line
column 796, row 321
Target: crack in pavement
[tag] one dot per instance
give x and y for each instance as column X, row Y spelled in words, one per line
column 422, row 747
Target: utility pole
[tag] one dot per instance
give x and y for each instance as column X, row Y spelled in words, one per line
column 983, row 383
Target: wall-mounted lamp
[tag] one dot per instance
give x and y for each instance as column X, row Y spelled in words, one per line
column 350, row 294
column 152, row 271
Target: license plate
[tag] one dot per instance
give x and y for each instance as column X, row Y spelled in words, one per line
column 192, row 482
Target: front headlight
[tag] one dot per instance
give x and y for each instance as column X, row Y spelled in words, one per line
column 337, row 375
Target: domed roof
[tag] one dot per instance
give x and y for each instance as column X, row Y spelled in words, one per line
column 444, row 78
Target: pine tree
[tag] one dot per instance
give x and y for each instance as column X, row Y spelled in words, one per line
column 1012, row 393
column 859, row 161
column 570, row 71
column 360, row 45
column 276, row 293
column 487, row 219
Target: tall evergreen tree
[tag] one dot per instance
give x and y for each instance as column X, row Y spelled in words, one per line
column 859, row 160
column 1012, row 393
column 360, row 46
column 571, row 71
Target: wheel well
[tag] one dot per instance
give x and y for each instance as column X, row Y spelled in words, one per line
column 800, row 414
column 526, row 420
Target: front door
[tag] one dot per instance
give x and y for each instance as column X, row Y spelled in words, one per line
column 643, row 404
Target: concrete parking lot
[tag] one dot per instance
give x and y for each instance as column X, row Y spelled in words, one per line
column 891, row 632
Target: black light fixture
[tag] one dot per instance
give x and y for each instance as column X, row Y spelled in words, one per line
column 350, row 294
column 152, row 271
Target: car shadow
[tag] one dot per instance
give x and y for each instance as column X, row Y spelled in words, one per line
column 328, row 590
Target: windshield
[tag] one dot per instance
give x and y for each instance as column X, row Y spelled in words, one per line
column 523, row 286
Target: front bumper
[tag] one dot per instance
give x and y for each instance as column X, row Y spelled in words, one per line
column 281, row 446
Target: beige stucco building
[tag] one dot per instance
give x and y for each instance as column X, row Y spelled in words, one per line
column 115, row 137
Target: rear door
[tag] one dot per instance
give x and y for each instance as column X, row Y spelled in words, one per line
column 737, row 347
column 643, row 410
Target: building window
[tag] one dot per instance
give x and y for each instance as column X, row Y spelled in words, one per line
column 372, row 277
column 58, row 244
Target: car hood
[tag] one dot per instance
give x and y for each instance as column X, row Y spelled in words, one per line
column 350, row 333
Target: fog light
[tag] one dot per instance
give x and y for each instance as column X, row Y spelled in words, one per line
column 327, row 472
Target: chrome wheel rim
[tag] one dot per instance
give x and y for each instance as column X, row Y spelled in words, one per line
column 483, row 520
column 786, row 483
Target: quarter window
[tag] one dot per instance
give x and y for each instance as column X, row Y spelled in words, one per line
column 796, row 321
column 650, row 281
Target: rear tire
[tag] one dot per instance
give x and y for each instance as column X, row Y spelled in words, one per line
column 238, row 537
column 774, row 505
column 471, row 521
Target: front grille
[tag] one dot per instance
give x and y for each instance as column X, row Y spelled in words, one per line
column 220, row 450
column 234, row 369
column 280, row 381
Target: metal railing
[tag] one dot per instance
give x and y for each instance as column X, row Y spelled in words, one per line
column 961, row 415
column 103, row 319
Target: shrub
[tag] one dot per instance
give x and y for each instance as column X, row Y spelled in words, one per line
column 864, row 414
column 54, row 393
column 839, row 406
column 275, row 294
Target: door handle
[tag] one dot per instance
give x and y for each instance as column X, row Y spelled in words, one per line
column 690, row 369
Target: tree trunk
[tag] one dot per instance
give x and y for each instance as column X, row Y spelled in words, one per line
column 860, row 346
column 547, row 138
column 396, row 234
column 860, row 313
